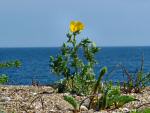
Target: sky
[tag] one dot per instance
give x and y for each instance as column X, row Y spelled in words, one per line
column 44, row 23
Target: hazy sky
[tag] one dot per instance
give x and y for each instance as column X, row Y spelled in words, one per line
column 40, row 23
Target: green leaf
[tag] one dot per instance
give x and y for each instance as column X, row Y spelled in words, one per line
column 121, row 100
column 72, row 101
column 3, row 78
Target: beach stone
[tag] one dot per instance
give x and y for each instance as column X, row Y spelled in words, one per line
column 125, row 110
column 114, row 112
column 37, row 105
column 83, row 108
column 5, row 99
column 59, row 107
column 52, row 111
column 86, row 102
column 66, row 94
column 34, row 93
column 91, row 111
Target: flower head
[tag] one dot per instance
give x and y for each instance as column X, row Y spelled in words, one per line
column 76, row 26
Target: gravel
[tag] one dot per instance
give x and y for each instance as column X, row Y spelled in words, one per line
column 44, row 99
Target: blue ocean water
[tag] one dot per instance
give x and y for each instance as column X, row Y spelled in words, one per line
column 35, row 63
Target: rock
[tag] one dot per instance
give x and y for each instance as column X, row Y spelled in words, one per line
column 126, row 109
column 5, row 99
column 59, row 107
column 37, row 105
column 103, row 111
column 114, row 112
column 86, row 102
column 91, row 111
column 52, row 111
column 34, row 94
column 78, row 98
column 66, row 94
column 83, row 108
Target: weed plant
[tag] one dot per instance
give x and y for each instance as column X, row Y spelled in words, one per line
column 136, row 81
column 10, row 64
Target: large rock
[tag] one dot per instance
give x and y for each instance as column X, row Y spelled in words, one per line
column 83, row 108
column 5, row 99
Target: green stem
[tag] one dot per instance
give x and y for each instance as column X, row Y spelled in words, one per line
column 74, row 56
column 74, row 40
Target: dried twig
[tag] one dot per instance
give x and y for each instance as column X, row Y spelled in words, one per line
column 42, row 102
column 35, row 99
column 86, row 98
column 142, row 105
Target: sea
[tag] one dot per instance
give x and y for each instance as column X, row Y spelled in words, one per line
column 35, row 63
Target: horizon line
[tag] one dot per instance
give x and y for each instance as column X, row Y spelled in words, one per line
column 60, row 46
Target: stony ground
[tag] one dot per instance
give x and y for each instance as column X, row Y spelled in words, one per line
column 43, row 99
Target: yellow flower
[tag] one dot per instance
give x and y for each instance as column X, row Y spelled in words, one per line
column 76, row 26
